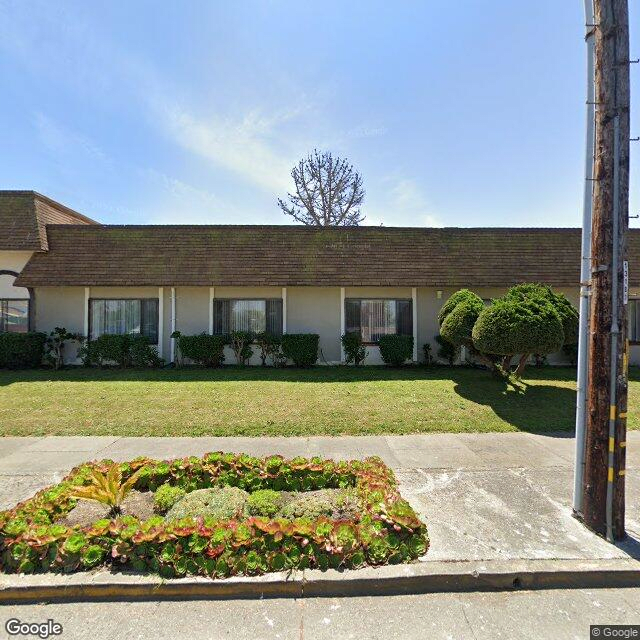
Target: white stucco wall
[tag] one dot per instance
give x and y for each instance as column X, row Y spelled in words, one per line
column 309, row 310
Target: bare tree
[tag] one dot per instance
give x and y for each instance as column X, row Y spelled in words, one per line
column 328, row 192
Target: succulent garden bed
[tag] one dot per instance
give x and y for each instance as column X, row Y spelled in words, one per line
column 219, row 515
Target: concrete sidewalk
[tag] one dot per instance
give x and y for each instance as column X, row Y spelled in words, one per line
column 482, row 496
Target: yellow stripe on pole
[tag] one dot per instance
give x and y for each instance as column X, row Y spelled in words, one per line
column 612, row 412
column 610, row 476
column 612, row 444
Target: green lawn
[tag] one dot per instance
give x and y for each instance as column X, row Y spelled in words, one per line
column 255, row 402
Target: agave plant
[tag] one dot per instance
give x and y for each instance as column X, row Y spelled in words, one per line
column 107, row 488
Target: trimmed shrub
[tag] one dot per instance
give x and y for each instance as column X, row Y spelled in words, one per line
column 142, row 353
column 269, row 345
column 203, row 349
column 125, row 350
column 109, row 348
column 512, row 326
column 354, row 350
column 302, row 348
column 457, row 324
column 241, row 344
column 265, row 502
column 464, row 295
column 166, row 496
column 21, row 350
column 221, row 503
column 395, row 349
column 568, row 313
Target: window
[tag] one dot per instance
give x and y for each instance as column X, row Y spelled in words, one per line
column 633, row 311
column 377, row 318
column 247, row 315
column 14, row 315
column 137, row 316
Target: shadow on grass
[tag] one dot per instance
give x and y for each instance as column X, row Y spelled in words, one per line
column 464, row 376
column 540, row 407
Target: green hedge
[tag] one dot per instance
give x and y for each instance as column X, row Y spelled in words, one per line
column 387, row 529
column 302, row 348
column 21, row 350
column 395, row 349
column 354, row 350
column 123, row 350
column 203, row 349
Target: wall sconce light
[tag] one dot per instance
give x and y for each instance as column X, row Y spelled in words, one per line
column 439, row 294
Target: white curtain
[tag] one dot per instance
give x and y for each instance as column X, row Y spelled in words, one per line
column 377, row 319
column 249, row 315
column 115, row 317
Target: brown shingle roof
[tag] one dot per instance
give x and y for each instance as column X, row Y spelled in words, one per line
column 24, row 216
column 298, row 255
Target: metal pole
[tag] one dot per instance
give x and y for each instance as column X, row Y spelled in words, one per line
column 585, row 267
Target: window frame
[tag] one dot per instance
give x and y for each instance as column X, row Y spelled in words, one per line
column 142, row 299
column 28, row 316
column 230, row 302
column 383, row 298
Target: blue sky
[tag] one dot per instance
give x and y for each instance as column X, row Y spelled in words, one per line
column 461, row 113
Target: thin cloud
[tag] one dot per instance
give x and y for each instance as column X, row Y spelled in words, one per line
column 245, row 146
column 403, row 202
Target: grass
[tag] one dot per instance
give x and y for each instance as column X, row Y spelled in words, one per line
column 286, row 402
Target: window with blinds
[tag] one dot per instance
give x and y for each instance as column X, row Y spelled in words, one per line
column 14, row 315
column 376, row 318
column 134, row 316
column 247, row 315
column 633, row 313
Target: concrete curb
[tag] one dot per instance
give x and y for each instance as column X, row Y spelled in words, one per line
column 424, row 577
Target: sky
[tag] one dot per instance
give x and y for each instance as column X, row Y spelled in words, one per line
column 466, row 113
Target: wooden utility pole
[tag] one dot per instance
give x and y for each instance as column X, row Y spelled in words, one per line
column 604, row 480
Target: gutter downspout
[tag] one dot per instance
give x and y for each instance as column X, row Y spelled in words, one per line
column 585, row 267
column 173, row 324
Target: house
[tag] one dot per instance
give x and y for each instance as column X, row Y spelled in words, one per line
column 60, row 268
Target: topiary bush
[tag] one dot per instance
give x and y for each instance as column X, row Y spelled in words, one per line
column 203, row 349
column 383, row 529
column 569, row 315
column 456, row 325
column 395, row 349
column 302, row 348
column 464, row 295
column 354, row 350
column 166, row 496
column 21, row 350
column 512, row 326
